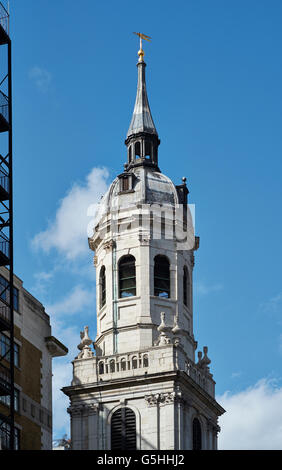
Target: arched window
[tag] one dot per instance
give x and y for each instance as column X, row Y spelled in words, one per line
column 123, row 364
column 102, row 286
column 127, row 276
column 134, row 362
column 112, row 366
column 145, row 360
column 161, row 277
column 148, row 150
column 185, row 286
column 137, row 150
column 197, row 435
column 101, row 368
column 123, row 430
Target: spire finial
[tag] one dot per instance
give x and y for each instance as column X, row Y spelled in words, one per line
column 141, row 52
column 142, row 120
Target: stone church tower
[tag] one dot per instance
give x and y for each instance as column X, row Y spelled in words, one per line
column 143, row 388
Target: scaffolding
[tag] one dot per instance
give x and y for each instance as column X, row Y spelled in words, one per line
column 7, row 421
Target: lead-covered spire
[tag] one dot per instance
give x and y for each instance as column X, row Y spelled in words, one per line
column 142, row 120
column 142, row 138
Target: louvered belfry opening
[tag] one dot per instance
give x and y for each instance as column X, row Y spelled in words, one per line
column 162, row 277
column 127, row 276
column 123, row 430
column 102, row 286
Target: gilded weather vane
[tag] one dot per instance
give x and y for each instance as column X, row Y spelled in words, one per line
column 147, row 38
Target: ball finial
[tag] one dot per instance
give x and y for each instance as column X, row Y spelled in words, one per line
column 141, row 54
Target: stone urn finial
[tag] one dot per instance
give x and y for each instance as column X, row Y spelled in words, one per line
column 204, row 361
column 176, row 328
column 162, row 326
column 84, row 346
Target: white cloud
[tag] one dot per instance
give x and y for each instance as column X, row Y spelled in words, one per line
column 272, row 305
column 41, row 77
column 68, row 232
column 236, row 375
column 73, row 302
column 205, row 289
column 253, row 418
column 42, row 282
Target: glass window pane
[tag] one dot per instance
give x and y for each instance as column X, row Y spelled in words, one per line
column 4, row 292
column 161, row 277
column 102, row 286
column 16, row 299
column 127, row 277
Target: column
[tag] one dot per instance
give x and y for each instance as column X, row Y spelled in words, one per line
column 151, row 428
column 75, row 414
column 92, row 427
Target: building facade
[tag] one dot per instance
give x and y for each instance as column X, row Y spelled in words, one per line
column 143, row 388
column 34, row 349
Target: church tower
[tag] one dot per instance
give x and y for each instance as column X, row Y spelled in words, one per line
column 143, row 388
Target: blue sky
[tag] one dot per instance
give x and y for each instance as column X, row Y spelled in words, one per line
column 214, row 74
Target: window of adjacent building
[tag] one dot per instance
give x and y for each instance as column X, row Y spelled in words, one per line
column 6, row 400
column 185, row 286
column 16, row 355
column 4, row 346
column 17, row 439
column 123, row 430
column 16, row 299
column 102, row 286
column 197, row 435
column 161, row 277
column 5, row 293
column 5, row 349
column 5, row 431
column 17, row 400
column 127, row 276
column 24, row 404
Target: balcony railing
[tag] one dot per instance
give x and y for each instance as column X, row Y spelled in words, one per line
column 4, row 181
column 4, row 18
column 4, row 246
column 4, row 106
column 123, row 363
column 137, row 363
